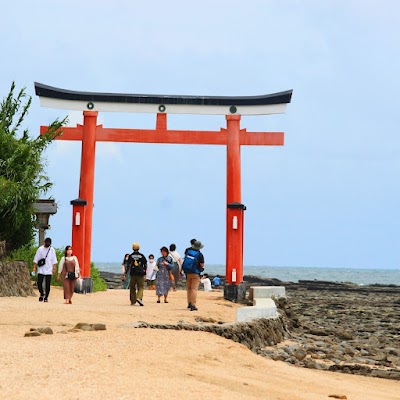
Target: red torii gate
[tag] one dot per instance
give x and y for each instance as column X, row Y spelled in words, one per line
column 232, row 137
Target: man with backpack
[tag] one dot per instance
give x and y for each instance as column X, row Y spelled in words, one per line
column 192, row 266
column 136, row 267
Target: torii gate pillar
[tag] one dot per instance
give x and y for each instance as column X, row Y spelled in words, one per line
column 78, row 232
column 86, row 183
column 234, row 221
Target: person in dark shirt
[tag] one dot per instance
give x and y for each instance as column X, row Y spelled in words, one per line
column 136, row 267
column 191, row 244
column 126, row 277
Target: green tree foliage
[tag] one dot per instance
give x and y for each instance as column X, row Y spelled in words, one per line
column 99, row 284
column 22, row 175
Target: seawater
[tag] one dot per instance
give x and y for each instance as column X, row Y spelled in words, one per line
column 294, row 274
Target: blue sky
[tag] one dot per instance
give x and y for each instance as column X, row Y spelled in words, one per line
column 330, row 197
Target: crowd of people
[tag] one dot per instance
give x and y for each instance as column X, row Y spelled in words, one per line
column 164, row 274
column 161, row 275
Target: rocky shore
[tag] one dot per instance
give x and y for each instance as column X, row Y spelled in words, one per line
column 333, row 326
column 342, row 327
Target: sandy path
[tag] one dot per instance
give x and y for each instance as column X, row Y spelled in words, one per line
column 127, row 363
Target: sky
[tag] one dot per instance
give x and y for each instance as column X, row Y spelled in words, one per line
column 328, row 198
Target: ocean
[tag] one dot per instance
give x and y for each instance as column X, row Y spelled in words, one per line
column 294, row 274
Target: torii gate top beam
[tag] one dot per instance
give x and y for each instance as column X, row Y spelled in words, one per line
column 172, row 104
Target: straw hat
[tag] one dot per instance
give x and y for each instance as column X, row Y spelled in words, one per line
column 197, row 245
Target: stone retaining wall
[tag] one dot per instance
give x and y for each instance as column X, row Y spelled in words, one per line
column 15, row 279
column 2, row 248
column 254, row 334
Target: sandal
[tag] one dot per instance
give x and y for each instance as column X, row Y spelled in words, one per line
column 158, row 301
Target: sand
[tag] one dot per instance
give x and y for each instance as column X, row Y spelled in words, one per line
column 124, row 362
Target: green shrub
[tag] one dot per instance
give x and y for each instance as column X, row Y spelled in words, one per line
column 99, row 284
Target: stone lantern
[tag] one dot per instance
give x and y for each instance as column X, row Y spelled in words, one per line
column 43, row 208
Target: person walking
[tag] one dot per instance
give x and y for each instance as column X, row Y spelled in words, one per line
column 191, row 244
column 151, row 273
column 126, row 278
column 136, row 267
column 68, row 269
column 163, row 282
column 176, row 270
column 192, row 266
column 45, row 261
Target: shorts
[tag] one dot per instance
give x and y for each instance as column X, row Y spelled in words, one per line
column 151, row 282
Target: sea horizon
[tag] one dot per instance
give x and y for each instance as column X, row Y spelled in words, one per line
column 360, row 276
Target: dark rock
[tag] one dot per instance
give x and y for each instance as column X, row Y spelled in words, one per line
column 346, row 324
column 318, row 332
column 90, row 327
column 86, row 328
column 312, row 364
column 46, row 330
column 32, row 333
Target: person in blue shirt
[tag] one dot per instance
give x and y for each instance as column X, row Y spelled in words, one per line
column 217, row 282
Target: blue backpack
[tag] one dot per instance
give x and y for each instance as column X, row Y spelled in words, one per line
column 190, row 263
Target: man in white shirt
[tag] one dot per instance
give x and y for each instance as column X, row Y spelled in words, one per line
column 151, row 273
column 46, row 261
column 205, row 280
